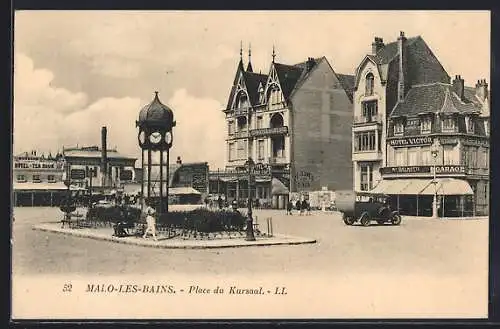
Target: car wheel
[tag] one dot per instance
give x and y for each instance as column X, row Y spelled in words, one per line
column 348, row 220
column 396, row 219
column 365, row 220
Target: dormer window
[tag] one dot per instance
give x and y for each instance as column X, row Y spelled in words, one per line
column 469, row 125
column 448, row 124
column 261, row 95
column 398, row 129
column 242, row 102
column 425, row 125
column 369, row 84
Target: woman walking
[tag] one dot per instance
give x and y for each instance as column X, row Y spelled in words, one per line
column 150, row 221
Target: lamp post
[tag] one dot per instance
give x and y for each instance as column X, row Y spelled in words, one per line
column 435, row 153
column 91, row 174
column 250, row 235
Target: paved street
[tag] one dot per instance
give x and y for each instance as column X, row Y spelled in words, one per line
column 423, row 268
column 431, row 247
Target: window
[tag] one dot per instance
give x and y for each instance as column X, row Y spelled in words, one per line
column 259, row 122
column 242, row 102
column 425, row 152
column 486, row 158
column 369, row 85
column 399, row 157
column 21, row 178
column 36, row 179
column 364, row 141
column 366, row 177
column 449, row 155
column 95, row 172
column 260, row 149
column 425, row 125
column 486, row 127
column 232, row 154
column 469, row 124
column 51, row 178
column 398, row 128
column 230, row 127
column 473, row 162
column 370, row 111
column 241, row 149
column 413, row 157
column 448, row 125
column 261, row 95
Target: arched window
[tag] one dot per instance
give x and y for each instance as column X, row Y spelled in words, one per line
column 242, row 101
column 369, row 85
column 274, row 97
column 276, row 121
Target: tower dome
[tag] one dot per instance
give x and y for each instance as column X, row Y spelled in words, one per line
column 156, row 114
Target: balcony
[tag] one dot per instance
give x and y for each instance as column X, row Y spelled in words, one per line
column 241, row 111
column 238, row 134
column 371, row 155
column 363, row 120
column 278, row 160
column 269, row 131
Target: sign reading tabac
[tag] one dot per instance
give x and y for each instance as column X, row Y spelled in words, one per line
column 411, row 141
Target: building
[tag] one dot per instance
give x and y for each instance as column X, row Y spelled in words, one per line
column 38, row 179
column 405, row 107
column 99, row 168
column 294, row 122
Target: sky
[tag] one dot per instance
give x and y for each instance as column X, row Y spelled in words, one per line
column 76, row 71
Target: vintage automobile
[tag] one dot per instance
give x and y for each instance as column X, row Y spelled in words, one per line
column 365, row 207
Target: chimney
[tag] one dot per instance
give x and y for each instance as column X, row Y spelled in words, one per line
column 401, row 80
column 310, row 63
column 458, row 86
column 179, row 161
column 482, row 89
column 377, row 45
column 104, row 155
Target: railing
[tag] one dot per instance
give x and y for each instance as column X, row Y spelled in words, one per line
column 239, row 134
column 360, row 119
column 278, row 160
column 241, row 111
column 268, row 131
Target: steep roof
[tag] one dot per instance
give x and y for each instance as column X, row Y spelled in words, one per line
column 288, row 76
column 252, row 81
column 347, row 81
column 434, row 98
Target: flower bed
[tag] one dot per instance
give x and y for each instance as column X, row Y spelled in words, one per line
column 203, row 220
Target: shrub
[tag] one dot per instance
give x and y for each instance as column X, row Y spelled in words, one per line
column 203, row 220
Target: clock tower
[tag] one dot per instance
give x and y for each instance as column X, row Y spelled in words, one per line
column 155, row 137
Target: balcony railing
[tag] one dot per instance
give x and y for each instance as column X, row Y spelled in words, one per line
column 360, row 119
column 268, row 131
column 241, row 111
column 239, row 134
column 277, row 160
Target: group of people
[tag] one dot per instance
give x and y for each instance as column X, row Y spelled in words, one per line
column 303, row 208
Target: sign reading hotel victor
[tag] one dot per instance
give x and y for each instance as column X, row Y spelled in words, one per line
column 411, row 141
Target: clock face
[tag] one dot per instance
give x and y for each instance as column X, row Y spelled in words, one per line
column 142, row 137
column 155, row 137
column 168, row 137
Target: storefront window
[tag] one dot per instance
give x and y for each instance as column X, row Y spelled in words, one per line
column 399, row 157
column 425, row 152
column 366, row 177
column 413, row 157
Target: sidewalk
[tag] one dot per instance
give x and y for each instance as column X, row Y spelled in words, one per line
column 445, row 218
column 105, row 234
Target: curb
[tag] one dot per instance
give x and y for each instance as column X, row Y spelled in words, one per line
column 150, row 244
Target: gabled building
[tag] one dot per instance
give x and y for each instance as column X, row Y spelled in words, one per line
column 406, row 106
column 294, row 122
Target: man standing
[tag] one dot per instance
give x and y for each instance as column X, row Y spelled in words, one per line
column 150, row 221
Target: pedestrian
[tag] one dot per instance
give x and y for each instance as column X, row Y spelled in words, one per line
column 303, row 207
column 221, row 203
column 289, row 207
column 150, row 221
column 297, row 205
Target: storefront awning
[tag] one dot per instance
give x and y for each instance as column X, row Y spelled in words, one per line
column 58, row 186
column 396, row 186
column 415, row 186
column 278, row 187
column 381, row 186
column 448, row 186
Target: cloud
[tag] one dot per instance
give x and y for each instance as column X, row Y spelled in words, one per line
column 47, row 117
